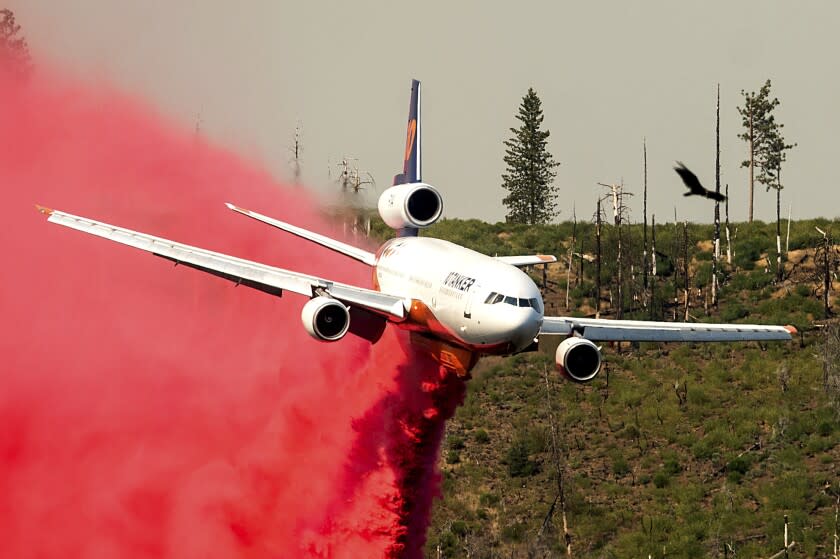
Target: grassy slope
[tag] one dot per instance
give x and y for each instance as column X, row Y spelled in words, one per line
column 747, row 437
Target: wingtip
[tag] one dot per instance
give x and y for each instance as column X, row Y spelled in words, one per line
column 547, row 257
column 791, row 329
column 44, row 210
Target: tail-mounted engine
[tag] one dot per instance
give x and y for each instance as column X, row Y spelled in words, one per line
column 325, row 319
column 415, row 204
column 578, row 359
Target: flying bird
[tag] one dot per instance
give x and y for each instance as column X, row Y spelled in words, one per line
column 693, row 184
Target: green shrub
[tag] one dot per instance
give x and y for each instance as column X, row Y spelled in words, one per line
column 620, row 467
column 488, row 499
column 459, row 528
column 514, row 532
column 518, row 462
column 672, row 465
column 481, row 437
column 737, row 467
column 661, row 479
column 733, row 311
column 453, row 457
column 455, row 442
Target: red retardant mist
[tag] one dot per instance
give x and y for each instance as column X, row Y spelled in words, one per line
column 152, row 411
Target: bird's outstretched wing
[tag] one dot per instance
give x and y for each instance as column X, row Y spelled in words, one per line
column 693, row 184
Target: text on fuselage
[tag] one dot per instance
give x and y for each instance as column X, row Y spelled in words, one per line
column 459, row 282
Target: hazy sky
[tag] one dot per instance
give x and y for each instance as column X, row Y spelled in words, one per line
column 609, row 73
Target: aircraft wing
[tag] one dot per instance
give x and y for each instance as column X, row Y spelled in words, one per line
column 603, row 330
column 243, row 272
column 354, row 252
column 527, row 260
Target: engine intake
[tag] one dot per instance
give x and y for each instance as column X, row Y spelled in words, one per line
column 578, row 359
column 325, row 319
column 414, row 204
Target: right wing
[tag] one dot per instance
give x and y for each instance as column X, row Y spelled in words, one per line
column 605, row 330
column 529, row 260
column 245, row 272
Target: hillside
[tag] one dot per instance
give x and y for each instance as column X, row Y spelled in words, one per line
column 674, row 450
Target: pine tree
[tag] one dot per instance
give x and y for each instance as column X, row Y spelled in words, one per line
column 530, row 168
column 14, row 53
column 774, row 157
column 758, row 120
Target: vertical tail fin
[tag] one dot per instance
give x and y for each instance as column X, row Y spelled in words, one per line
column 411, row 160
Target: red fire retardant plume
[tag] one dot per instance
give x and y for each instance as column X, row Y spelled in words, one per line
column 152, row 411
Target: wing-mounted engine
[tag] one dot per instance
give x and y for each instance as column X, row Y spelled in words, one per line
column 325, row 319
column 578, row 359
column 415, row 204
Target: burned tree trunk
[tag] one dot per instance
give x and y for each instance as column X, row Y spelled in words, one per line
column 716, row 244
column 598, row 260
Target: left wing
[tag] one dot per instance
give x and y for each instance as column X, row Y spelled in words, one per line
column 353, row 252
column 245, row 272
column 604, row 330
column 527, row 260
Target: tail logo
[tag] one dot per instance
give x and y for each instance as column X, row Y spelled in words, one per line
column 409, row 140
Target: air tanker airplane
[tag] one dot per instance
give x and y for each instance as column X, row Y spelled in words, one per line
column 456, row 303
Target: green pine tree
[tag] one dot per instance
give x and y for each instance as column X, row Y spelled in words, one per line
column 759, row 123
column 530, row 168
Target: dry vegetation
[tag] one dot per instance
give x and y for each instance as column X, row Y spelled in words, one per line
column 674, row 450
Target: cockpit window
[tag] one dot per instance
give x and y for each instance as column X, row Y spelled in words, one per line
column 494, row 298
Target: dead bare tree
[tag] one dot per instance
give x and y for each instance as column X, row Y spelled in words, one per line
column 297, row 150
column 836, row 555
column 598, row 259
column 644, row 218
column 352, row 183
column 825, row 256
column 831, row 365
column 685, row 266
column 571, row 255
column 617, row 194
column 559, row 470
column 716, row 243
column 728, row 239
column 653, row 267
column 788, row 546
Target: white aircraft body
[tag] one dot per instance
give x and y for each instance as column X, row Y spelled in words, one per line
column 458, row 304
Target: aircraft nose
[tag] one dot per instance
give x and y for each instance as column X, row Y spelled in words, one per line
column 526, row 328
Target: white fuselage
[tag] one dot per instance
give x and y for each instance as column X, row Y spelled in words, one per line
column 454, row 284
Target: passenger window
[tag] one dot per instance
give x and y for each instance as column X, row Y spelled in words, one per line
column 510, row 300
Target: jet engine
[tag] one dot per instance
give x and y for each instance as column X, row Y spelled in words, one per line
column 325, row 319
column 415, row 204
column 578, row 359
